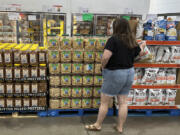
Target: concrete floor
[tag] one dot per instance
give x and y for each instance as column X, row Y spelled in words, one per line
column 75, row 126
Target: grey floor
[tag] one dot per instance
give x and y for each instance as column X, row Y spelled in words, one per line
column 75, row 126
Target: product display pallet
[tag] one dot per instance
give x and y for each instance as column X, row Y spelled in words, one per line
column 76, row 112
column 153, row 112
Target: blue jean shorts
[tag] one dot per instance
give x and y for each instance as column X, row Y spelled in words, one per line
column 117, row 82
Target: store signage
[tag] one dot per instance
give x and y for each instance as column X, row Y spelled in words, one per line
column 87, row 17
column 13, row 16
column 31, row 17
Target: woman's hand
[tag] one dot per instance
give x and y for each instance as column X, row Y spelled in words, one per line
column 142, row 46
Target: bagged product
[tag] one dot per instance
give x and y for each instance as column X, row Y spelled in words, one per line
column 97, row 92
column 140, row 97
column 160, row 54
column 2, row 71
column 17, row 72
column 34, row 87
column 33, row 58
column 42, row 72
column 130, row 97
column 90, row 43
column 167, row 54
column 161, row 77
column 53, row 43
column 171, row 76
column 96, row 103
column 66, row 80
column 54, row 103
column 65, row 103
column 24, row 57
column 97, row 69
column 26, row 88
column 25, row 72
column 2, row 88
column 76, row 103
column 34, row 72
column 87, row 80
column 149, row 76
column 139, row 30
column 87, row 92
column 8, row 73
column 98, row 56
column 88, row 68
column 26, row 102
column 86, row 103
column 34, row 102
column 2, row 102
column 42, row 55
column 42, row 102
column 77, row 68
column 77, row 80
column 9, row 88
column 7, row 56
column 55, row 92
column 100, row 43
column 9, row 102
column 18, row 102
column 78, row 43
column 174, row 53
column 65, row 92
column 65, row 68
column 171, row 96
column 54, row 68
column 55, row 81
column 66, row 56
column 163, row 99
column 77, row 56
column 98, row 80
column 176, row 56
column 66, row 42
column 76, row 92
column 17, row 88
column 155, row 96
column 89, row 56
column 138, row 76
column 42, row 87
column 53, row 56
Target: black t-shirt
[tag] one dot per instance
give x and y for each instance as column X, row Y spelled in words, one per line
column 122, row 56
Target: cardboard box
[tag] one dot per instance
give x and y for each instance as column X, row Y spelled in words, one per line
column 133, row 24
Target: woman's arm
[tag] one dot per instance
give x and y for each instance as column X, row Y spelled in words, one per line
column 105, row 58
column 142, row 46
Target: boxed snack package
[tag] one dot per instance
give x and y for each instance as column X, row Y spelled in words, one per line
column 9, row 88
column 66, row 92
column 24, row 57
column 34, row 87
column 55, row 80
column 77, row 56
column 66, row 56
column 89, row 56
column 171, row 96
column 8, row 73
column 65, row 103
column 97, row 92
column 53, row 42
column 100, row 43
column 26, row 102
column 54, row 68
column 7, row 56
column 55, row 92
column 42, row 72
column 89, row 43
column 33, row 58
column 155, row 96
column 171, row 76
column 161, row 77
column 34, row 102
column 25, row 72
column 17, row 72
column 140, row 97
column 17, row 102
column 130, row 97
column 65, row 68
column 42, row 55
column 87, row 92
column 76, row 92
column 78, row 43
column 34, row 72
column 54, row 103
column 26, row 88
column 53, row 56
column 98, row 80
column 17, row 88
column 2, row 71
column 77, row 80
column 87, row 80
column 76, row 103
column 86, row 103
column 42, row 87
column 66, row 42
column 77, row 68
column 2, row 88
column 97, row 69
column 66, row 80
column 88, row 68
column 9, row 102
column 2, row 102
column 98, row 56
column 96, row 103
column 42, row 102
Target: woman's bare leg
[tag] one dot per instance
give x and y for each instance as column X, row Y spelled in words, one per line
column 123, row 110
column 102, row 110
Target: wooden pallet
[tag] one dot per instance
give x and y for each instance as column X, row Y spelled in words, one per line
column 18, row 115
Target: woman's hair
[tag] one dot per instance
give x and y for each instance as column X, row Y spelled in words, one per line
column 122, row 30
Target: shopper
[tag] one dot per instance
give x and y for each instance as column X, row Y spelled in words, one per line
column 118, row 72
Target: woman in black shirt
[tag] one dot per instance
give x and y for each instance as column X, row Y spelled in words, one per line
column 118, row 72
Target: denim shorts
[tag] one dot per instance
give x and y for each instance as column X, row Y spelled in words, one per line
column 117, row 82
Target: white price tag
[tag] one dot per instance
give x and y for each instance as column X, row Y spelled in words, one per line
column 31, row 17
column 13, row 16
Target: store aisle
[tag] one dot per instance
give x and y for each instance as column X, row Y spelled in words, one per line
column 75, row 126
